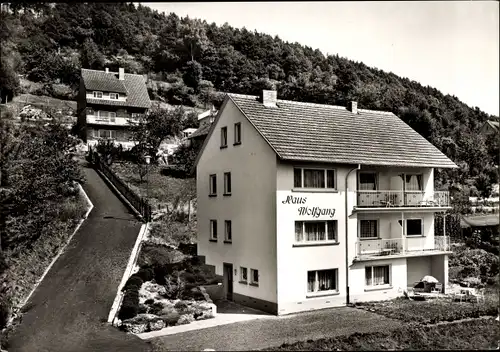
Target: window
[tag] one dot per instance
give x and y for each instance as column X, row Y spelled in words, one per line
column 97, row 94
column 254, row 277
column 368, row 228
column 106, row 134
column 243, row 274
column 322, row 280
column 106, row 115
column 213, row 185
column 313, row 178
column 414, row 227
column 223, row 137
column 113, row 96
column 228, row 236
column 414, row 182
column 377, row 275
column 368, row 181
column 315, row 231
column 237, row 133
column 213, row 230
column 227, row 183
column 136, row 115
column 90, row 111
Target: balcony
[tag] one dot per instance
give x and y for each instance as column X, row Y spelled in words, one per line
column 108, row 121
column 408, row 246
column 389, row 199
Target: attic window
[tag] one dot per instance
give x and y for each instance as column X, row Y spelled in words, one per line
column 113, row 96
column 97, row 94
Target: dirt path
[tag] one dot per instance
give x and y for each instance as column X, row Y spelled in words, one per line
column 68, row 311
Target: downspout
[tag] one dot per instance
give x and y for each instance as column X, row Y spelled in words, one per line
column 347, row 237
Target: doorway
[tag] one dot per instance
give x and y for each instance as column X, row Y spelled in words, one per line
column 228, row 281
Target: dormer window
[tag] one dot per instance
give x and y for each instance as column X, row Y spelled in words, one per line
column 97, row 94
column 113, row 96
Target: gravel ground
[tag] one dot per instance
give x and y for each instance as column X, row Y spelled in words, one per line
column 69, row 310
column 259, row 334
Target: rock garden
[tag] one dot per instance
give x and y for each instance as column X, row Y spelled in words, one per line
column 167, row 290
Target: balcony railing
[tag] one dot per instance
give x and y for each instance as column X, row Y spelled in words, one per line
column 398, row 246
column 114, row 121
column 374, row 199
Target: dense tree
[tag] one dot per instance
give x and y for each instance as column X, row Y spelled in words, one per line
column 197, row 60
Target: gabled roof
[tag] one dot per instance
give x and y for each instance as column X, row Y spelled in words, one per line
column 332, row 134
column 202, row 131
column 493, row 124
column 134, row 86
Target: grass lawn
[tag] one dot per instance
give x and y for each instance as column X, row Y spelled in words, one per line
column 433, row 311
column 469, row 335
column 160, row 190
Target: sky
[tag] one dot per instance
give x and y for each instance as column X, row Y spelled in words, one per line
column 450, row 45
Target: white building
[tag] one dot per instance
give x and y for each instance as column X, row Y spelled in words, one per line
column 305, row 206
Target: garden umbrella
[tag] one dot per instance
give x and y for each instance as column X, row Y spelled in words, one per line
column 429, row 279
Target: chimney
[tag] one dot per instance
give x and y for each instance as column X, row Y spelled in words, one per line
column 121, row 73
column 107, row 70
column 352, row 106
column 269, row 98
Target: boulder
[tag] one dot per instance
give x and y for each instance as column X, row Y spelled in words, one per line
column 156, row 325
column 185, row 319
column 135, row 328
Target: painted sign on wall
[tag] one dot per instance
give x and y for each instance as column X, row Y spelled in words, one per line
column 305, row 210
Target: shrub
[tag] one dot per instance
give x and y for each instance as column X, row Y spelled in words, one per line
column 154, row 255
column 170, row 318
column 133, row 283
column 142, row 309
column 130, row 305
column 156, row 308
column 181, row 305
column 146, row 274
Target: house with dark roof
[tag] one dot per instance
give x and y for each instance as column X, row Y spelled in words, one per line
column 306, row 206
column 490, row 127
column 108, row 102
column 205, row 120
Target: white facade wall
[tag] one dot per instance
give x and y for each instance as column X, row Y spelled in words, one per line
column 295, row 261
column 251, row 207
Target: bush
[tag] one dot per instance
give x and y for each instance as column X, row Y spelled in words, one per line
column 133, row 283
column 130, row 305
column 156, row 308
column 171, row 318
column 154, row 255
column 181, row 305
column 175, row 171
column 146, row 274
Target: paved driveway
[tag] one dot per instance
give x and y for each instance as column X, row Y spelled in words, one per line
column 259, row 334
column 69, row 310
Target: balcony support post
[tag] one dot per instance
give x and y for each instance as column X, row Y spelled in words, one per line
column 403, row 231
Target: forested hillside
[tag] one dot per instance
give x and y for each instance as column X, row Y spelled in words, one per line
column 190, row 62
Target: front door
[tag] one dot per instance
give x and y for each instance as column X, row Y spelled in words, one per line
column 228, row 280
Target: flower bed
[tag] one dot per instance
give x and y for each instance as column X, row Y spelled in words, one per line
column 163, row 294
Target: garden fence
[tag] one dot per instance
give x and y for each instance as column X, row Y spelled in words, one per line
column 142, row 206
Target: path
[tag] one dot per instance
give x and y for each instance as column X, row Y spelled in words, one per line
column 266, row 333
column 69, row 310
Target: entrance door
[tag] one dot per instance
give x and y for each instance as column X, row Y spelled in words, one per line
column 228, row 281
